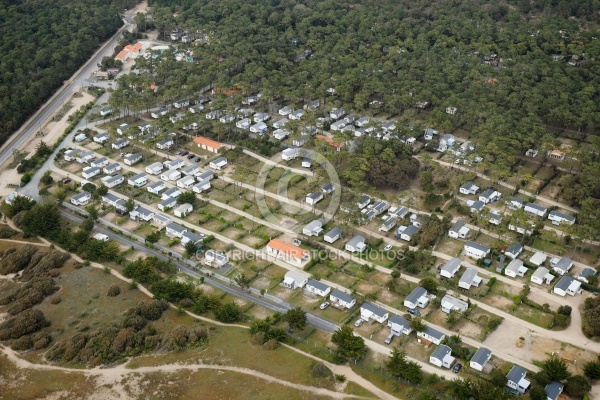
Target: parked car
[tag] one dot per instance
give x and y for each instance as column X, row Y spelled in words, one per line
column 179, row 152
column 387, row 248
column 324, row 305
column 359, row 322
column 192, row 155
column 456, row 368
column 185, row 152
column 197, row 159
column 413, row 311
column 66, row 180
column 389, row 339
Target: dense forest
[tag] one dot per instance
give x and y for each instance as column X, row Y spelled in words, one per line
column 512, row 69
column 42, row 43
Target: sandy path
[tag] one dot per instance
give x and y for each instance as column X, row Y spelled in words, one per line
column 116, row 374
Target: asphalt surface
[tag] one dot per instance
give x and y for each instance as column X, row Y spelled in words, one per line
column 273, row 303
column 62, row 95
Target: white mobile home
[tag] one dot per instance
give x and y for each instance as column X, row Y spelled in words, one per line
column 451, row 267
column 170, row 175
column 317, row 288
column 131, row 159
column 295, row 279
column 155, row 168
column 480, row 359
column 183, row 210
column 442, row 357
column 81, row 199
column 187, row 182
column 341, row 300
column 469, row 279
column 157, row 187
column 369, row 311
column 138, row 180
column 112, row 168
column 218, row 164
column 333, row 235
column 90, row 172
column 113, row 181
column 542, row 275
column 476, row 250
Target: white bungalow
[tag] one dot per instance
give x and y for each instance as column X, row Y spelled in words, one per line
column 156, row 187
column 215, row 259
column 561, row 266
column 451, row 267
column 535, row 209
column 356, row 244
column 459, row 230
column 567, row 285
column 218, row 164
column 113, row 181
column 138, row 180
column 431, row 335
column 317, row 288
column 515, row 268
column 183, row 210
column 417, row 298
column 542, row 275
column 81, row 199
column 333, row 235
column 173, row 192
column 131, row 159
column 369, row 311
column 112, row 168
column 451, row 303
column 480, row 359
column 469, row 279
column 442, row 357
column 399, row 325
column 201, row 186
column 187, row 182
column 295, row 279
column 141, row 214
column 341, row 300
column 174, row 164
column 154, row 168
column 171, row 175
column 313, row 228
column 476, row 250
column 90, row 172
column 167, row 204
column 174, row 230
column 314, row 198
column 119, row 144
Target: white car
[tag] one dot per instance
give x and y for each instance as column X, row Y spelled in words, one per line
column 324, row 305
column 359, row 322
column 387, row 248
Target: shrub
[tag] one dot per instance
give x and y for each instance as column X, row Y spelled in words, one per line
column 55, row 300
column 271, row 344
column 27, row 322
column 114, row 291
column 319, row 370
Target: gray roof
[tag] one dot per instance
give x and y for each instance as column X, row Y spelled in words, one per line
column 452, row 264
column 477, row 246
column 563, row 263
column 111, row 197
column 219, row 160
column 468, row 185
column 133, row 156
column 192, row 237
column 364, row 198
column 540, row 273
column 416, row 294
column 157, row 184
column 171, row 191
column 114, row 178
column 516, row 373
column 334, row 232
column 394, row 319
column 564, row 282
column 120, row 141
column 587, row 272
column 481, row 356
column 315, row 195
column 374, row 309
column 317, row 223
column 514, row 265
column 318, row 285
column 176, row 227
column 90, row 170
column 143, row 211
column 458, row 225
column 328, row 187
column 81, row 195
column 553, row 389
column 165, row 141
column 517, row 200
column 478, row 204
column 441, row 352
column 433, row 332
column 112, row 165
column 167, row 202
column 356, row 240
column 561, row 215
column 514, row 248
column 488, row 192
column 342, row 296
column 535, row 207
column 410, row 230
column 468, row 275
column 138, row 176
column 206, row 175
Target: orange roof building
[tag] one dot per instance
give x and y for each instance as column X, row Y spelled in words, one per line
column 133, row 49
column 336, row 145
column 287, row 252
column 207, row 144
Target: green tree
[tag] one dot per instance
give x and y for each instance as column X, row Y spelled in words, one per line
column 592, row 370
column 152, row 237
column 537, row 393
column 348, row 344
column 577, row 386
column 228, row 313
column 555, row 369
column 429, row 284
column 19, row 203
column 242, row 280
column 296, row 318
column 129, row 204
column 190, row 248
column 187, row 197
column 417, row 325
column 398, row 365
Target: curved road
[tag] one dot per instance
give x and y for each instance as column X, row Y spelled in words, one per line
column 62, row 95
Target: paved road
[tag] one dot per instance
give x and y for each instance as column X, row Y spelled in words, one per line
column 273, row 303
column 32, row 125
